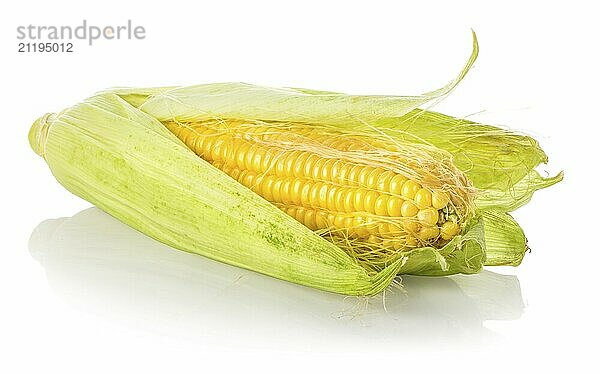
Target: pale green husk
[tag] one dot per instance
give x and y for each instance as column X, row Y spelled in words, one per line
column 113, row 151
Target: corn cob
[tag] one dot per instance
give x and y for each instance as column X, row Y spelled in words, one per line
column 326, row 180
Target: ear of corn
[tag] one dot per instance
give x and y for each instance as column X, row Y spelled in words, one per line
column 130, row 165
column 332, row 191
column 498, row 162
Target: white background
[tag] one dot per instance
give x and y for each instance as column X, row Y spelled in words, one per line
column 87, row 294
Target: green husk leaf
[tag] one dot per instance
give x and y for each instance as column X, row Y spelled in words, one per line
column 504, row 239
column 129, row 165
column 241, row 100
column 493, row 158
column 517, row 195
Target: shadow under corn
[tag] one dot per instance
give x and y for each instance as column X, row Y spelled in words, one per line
column 100, row 266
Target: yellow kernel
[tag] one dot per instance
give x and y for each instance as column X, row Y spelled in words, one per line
column 323, row 193
column 309, row 163
column 409, row 209
column 373, row 178
column 381, row 205
column 364, row 175
column 428, row 232
column 266, row 161
column 207, row 147
column 396, row 184
column 334, row 167
column 240, row 155
column 235, row 173
column 291, row 211
column 359, row 199
column 339, row 198
column 410, row 225
column 256, row 163
column 227, row 151
column 410, row 188
column 296, row 191
column 305, row 194
column 384, row 228
column 276, row 190
column 317, row 167
column 354, row 174
column 410, row 242
column 255, row 186
column 300, row 213
column 310, row 219
column 394, row 206
column 439, row 199
column 242, row 175
column 449, row 230
column 330, row 220
column 286, row 189
column 423, row 199
column 342, row 177
column 348, row 225
column 339, row 221
column 349, row 200
column 217, row 146
column 326, row 169
column 369, row 203
column 384, row 181
column 372, row 225
column 428, row 216
column 321, row 219
column 289, row 163
column 314, row 194
column 249, row 157
column 395, row 229
column 248, row 180
column 280, row 164
column 299, row 165
column 360, row 226
column 266, row 187
column 330, row 201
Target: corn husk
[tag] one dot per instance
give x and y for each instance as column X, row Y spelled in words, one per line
column 113, row 151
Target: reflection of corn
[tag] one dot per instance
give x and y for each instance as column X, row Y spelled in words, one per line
column 363, row 203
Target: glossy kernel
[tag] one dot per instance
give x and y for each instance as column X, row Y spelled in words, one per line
column 410, row 188
column 381, row 205
column 422, row 199
column 394, row 206
column 428, row 216
column 369, row 202
column 396, row 184
column 428, row 233
column 439, row 199
column 409, row 209
column 449, row 230
column 373, row 178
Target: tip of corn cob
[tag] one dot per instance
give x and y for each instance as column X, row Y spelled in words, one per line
column 39, row 133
